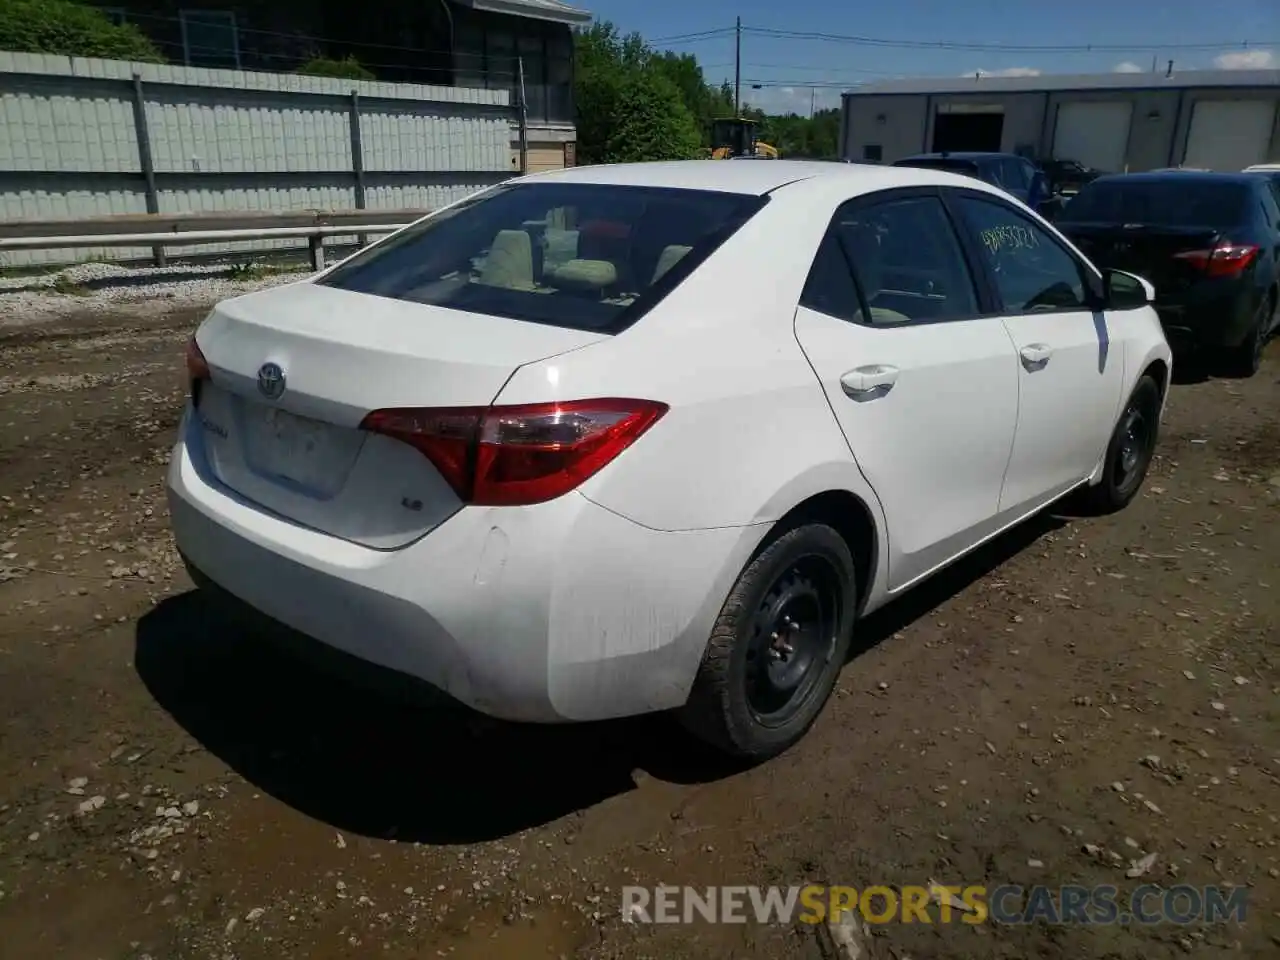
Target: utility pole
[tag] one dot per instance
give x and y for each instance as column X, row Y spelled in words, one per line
column 737, row 69
column 523, row 117
column 813, row 97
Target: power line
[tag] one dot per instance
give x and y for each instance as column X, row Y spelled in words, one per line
column 805, row 84
column 695, row 37
column 807, row 68
column 1000, row 47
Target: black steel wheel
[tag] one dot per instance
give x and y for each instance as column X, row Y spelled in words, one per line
column 778, row 645
column 1137, row 435
column 1133, row 443
column 793, row 636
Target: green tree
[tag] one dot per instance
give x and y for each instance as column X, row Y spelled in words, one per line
column 348, row 68
column 627, row 110
column 70, row 29
column 703, row 101
column 796, row 136
column 651, row 123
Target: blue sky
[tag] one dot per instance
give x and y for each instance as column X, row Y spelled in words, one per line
column 794, row 72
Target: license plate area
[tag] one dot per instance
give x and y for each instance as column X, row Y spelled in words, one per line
column 310, row 455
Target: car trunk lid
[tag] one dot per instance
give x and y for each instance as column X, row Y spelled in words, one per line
column 1149, row 251
column 295, row 370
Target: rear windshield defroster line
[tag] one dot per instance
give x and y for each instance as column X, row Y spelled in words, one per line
column 584, row 256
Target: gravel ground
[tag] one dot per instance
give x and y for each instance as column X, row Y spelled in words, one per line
column 1078, row 695
column 98, row 290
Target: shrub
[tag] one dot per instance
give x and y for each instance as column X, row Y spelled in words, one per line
column 348, row 68
column 70, row 29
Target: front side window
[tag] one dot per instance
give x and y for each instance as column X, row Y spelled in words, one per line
column 584, row 256
column 905, row 259
column 1032, row 271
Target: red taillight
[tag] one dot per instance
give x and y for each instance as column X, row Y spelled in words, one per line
column 197, row 366
column 1227, row 259
column 510, row 455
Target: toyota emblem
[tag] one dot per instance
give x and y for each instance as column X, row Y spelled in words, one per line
column 271, row 381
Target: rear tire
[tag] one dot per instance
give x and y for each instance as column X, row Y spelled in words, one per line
column 1128, row 457
column 1246, row 359
column 778, row 646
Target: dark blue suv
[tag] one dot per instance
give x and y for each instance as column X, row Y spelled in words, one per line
column 1013, row 174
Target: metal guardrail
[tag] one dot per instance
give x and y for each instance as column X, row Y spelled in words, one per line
column 159, row 231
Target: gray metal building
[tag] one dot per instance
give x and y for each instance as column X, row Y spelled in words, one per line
column 1217, row 119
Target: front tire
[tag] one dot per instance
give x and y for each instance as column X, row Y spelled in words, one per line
column 777, row 647
column 1133, row 442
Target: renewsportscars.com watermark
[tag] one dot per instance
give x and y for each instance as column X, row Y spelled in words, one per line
column 936, row 903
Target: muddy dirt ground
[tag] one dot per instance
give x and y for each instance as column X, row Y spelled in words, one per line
column 1083, row 692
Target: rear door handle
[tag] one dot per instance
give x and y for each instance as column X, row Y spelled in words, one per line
column 870, row 382
column 1035, row 355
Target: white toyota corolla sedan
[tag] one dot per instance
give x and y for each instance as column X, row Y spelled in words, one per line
column 632, row 438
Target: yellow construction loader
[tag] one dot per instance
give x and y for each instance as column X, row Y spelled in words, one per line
column 736, row 137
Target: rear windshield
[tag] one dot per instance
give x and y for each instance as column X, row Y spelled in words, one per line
column 583, row 256
column 967, row 167
column 1163, row 203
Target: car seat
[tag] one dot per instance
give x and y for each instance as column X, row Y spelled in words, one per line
column 509, row 263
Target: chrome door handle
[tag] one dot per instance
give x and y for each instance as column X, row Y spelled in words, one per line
column 870, row 382
column 1035, row 355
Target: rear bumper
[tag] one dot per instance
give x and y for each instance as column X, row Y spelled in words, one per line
column 559, row 612
column 1220, row 321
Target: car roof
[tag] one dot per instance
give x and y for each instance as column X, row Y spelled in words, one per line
column 754, row 179
column 1181, row 176
column 961, row 155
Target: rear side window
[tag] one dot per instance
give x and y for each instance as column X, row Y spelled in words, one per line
column 584, row 256
column 905, row 259
column 1173, row 202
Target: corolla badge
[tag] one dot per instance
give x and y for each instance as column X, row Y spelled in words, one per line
column 271, row 381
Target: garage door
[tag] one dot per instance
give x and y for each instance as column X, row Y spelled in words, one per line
column 1096, row 134
column 546, row 156
column 1229, row 134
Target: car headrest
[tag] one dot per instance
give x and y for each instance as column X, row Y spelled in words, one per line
column 510, row 261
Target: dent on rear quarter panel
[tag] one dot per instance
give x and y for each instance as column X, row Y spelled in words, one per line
column 630, row 612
